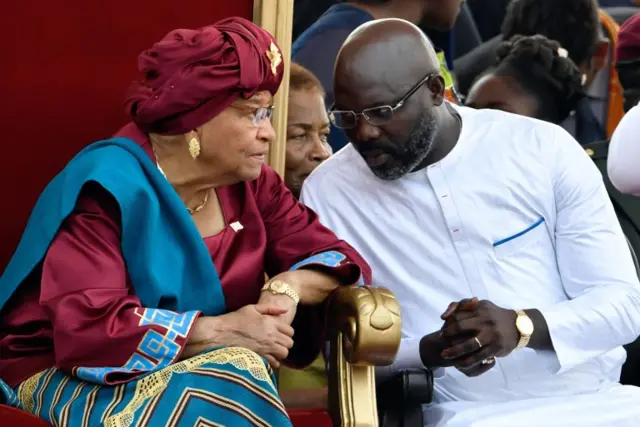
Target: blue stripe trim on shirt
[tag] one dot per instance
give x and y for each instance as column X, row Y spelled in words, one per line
column 515, row 236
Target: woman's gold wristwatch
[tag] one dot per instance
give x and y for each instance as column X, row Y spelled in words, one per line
column 280, row 287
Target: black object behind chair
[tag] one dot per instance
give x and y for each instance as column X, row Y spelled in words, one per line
column 400, row 398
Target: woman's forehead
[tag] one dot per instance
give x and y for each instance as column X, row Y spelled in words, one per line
column 261, row 98
column 307, row 107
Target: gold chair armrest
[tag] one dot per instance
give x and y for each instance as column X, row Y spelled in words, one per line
column 364, row 330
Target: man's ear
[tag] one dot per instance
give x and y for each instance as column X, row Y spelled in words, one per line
column 436, row 88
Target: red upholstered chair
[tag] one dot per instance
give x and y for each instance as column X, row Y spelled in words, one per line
column 301, row 418
column 310, row 418
column 15, row 417
column 64, row 73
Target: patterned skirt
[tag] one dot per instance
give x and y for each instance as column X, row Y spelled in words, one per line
column 223, row 387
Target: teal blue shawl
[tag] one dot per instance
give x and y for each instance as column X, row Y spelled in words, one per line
column 167, row 261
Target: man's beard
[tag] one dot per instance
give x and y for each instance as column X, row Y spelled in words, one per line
column 413, row 151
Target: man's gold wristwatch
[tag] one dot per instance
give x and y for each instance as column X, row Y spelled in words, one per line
column 525, row 328
column 279, row 287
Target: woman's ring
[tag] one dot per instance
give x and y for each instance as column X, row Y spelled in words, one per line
column 478, row 341
column 489, row 361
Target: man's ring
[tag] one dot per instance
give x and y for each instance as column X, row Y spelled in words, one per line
column 478, row 341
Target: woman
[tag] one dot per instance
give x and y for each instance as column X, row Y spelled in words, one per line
column 532, row 77
column 136, row 294
column 308, row 128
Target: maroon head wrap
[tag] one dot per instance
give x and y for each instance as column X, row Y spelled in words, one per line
column 628, row 48
column 192, row 75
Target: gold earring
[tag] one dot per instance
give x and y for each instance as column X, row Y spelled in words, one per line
column 194, row 147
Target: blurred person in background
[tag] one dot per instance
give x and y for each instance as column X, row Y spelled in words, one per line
column 575, row 24
column 533, row 77
column 308, row 128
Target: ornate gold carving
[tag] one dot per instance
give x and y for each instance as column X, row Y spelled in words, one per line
column 365, row 331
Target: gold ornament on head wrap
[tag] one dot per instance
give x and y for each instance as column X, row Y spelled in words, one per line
column 275, row 57
column 194, row 147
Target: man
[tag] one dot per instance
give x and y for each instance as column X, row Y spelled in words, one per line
column 448, row 204
column 575, row 24
column 316, row 49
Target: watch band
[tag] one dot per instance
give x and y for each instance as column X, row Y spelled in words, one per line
column 280, row 287
column 524, row 339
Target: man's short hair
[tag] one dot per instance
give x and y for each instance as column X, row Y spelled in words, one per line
column 302, row 79
column 575, row 24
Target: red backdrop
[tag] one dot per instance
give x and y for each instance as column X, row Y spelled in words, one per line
column 64, row 69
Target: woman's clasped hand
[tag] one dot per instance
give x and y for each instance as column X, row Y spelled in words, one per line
column 258, row 327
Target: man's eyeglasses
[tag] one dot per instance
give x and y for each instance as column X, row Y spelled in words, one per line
column 377, row 116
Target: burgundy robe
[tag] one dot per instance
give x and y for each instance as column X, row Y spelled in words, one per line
column 78, row 308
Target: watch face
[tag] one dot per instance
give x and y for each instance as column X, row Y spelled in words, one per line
column 278, row 286
column 524, row 325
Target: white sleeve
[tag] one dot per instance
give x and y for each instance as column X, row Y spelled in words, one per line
column 594, row 262
column 623, row 163
column 408, row 356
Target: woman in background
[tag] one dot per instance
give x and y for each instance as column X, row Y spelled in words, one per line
column 532, row 77
column 308, row 130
